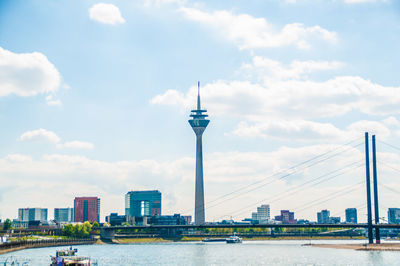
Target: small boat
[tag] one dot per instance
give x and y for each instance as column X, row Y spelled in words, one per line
column 233, row 239
column 213, row 240
column 69, row 257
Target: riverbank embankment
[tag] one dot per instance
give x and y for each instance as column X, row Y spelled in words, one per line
column 19, row 245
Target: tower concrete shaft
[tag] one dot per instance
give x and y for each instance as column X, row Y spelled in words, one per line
column 199, row 124
column 199, row 214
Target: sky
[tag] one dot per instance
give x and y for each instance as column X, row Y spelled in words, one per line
column 95, row 98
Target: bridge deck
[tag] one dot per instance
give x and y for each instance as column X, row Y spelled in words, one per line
column 388, row 226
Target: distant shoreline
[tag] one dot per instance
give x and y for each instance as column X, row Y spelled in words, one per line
column 362, row 247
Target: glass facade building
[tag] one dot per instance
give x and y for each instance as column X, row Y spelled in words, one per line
column 323, row 217
column 394, row 215
column 143, row 203
column 114, row 219
column 351, row 215
column 175, row 219
column 64, row 214
column 32, row 214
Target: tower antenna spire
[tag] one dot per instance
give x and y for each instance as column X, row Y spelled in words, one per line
column 198, row 96
column 199, row 123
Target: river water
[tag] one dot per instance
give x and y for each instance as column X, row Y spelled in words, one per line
column 196, row 253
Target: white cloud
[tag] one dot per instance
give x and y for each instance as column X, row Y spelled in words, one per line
column 106, row 14
column 361, row 1
column 40, row 135
column 27, row 74
column 159, row 3
column 345, row 1
column 281, row 129
column 391, row 122
column 249, row 32
column 76, row 145
column 268, row 69
column 53, row 102
column 49, row 136
column 290, row 99
column 18, row 158
column 303, row 130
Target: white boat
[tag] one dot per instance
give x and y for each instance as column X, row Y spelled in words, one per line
column 69, row 257
column 233, row 239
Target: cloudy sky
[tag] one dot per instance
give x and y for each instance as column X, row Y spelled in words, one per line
column 95, row 98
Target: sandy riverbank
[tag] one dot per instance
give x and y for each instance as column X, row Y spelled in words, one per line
column 367, row 247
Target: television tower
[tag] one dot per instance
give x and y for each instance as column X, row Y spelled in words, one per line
column 199, row 124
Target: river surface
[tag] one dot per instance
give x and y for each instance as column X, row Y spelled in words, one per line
column 279, row 252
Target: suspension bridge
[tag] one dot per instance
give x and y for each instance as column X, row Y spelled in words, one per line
column 361, row 182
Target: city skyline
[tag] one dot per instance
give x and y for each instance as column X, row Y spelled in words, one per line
column 97, row 105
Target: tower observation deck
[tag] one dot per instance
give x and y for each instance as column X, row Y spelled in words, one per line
column 199, row 123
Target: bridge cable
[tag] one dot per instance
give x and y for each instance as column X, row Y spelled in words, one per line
column 286, row 170
column 238, row 212
column 388, row 165
column 388, row 144
column 333, row 196
column 290, row 189
column 389, row 188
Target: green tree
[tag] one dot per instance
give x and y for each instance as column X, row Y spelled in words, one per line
column 68, row 230
column 78, row 230
column 7, row 224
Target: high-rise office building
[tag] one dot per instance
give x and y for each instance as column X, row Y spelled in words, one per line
column 199, row 124
column 286, row 217
column 87, row 209
column 323, row 217
column 143, row 203
column 64, row 214
column 262, row 215
column 351, row 215
column 394, row 215
column 32, row 214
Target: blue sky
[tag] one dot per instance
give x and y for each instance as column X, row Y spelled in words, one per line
column 95, row 97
